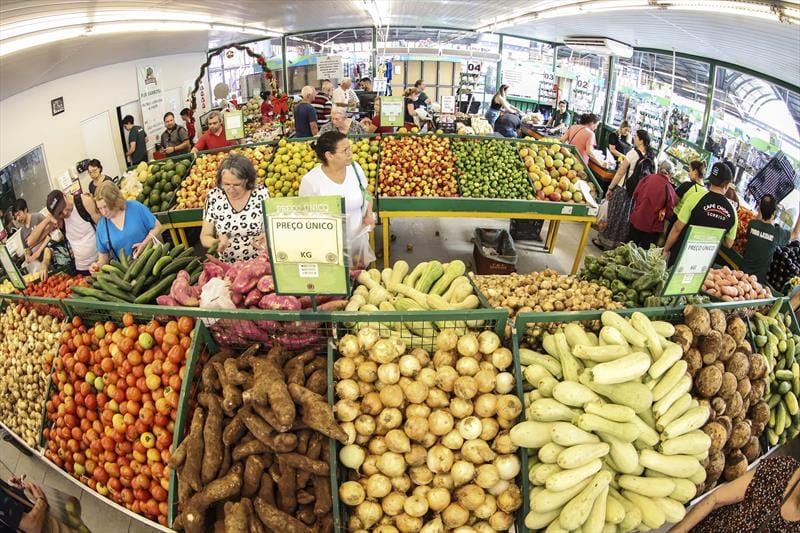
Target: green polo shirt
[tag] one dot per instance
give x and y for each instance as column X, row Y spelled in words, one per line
column 762, row 240
column 138, row 135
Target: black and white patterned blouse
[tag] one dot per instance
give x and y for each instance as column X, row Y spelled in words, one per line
column 242, row 227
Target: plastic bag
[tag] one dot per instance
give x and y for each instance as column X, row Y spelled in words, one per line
column 602, row 217
column 216, row 294
column 361, row 253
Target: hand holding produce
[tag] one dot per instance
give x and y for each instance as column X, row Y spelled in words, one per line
column 730, row 285
column 417, row 165
column 615, row 435
column 28, row 346
column 427, row 443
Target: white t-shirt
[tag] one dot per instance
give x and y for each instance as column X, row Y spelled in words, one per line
column 316, row 183
column 344, row 98
column 632, row 157
column 82, row 240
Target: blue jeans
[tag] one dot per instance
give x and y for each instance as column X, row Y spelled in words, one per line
column 492, row 115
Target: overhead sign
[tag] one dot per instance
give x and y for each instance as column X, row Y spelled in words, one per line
column 306, row 244
column 474, row 66
column 151, row 100
column 695, row 257
column 392, row 111
column 234, row 125
column 330, row 68
column 11, row 269
column 448, row 104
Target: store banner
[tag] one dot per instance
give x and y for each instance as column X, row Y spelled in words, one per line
column 151, row 100
column 392, row 111
column 306, row 245
column 330, row 68
column 695, row 257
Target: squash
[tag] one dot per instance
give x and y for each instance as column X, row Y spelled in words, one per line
column 399, row 271
column 597, row 516
column 549, row 345
column 534, row 520
column 566, row 434
column 647, row 435
column 673, row 510
column 542, row 471
column 365, row 279
column 386, row 276
column 549, row 453
column 691, row 443
column 569, row 365
column 567, row 478
column 577, row 510
column 531, row 434
column 652, row 487
column 684, row 491
column 548, row 500
column 534, row 373
column 627, row 368
column 612, row 337
column 633, row 515
column 411, row 279
column 453, row 270
column 581, row 454
column 670, row 379
column 375, row 274
column 623, row 454
column 693, row 419
column 362, row 291
column 545, row 388
column 610, row 411
column 615, row 512
column 681, row 405
column 683, row 386
column 377, row 295
column 576, row 335
column 671, row 355
column 355, row 303
column 612, row 319
column 432, row 272
column 642, row 324
column 572, row 393
column 405, row 290
column 529, row 357
column 652, row 515
column 624, row 431
column 665, row 329
column 680, row 466
column 632, row 393
column 600, row 354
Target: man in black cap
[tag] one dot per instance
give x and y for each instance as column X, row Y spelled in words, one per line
column 709, row 208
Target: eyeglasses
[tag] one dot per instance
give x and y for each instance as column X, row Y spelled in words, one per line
column 347, row 150
column 232, row 185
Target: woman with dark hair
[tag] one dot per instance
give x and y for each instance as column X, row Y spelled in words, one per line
column 499, row 103
column 581, row 135
column 95, row 170
column 619, row 201
column 234, row 215
column 339, row 175
column 619, row 141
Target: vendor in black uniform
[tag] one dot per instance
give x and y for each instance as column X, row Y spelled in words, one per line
column 559, row 120
column 619, row 141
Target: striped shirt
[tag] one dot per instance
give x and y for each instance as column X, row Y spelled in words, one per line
column 322, row 104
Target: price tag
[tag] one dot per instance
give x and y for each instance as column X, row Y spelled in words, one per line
column 306, row 239
column 234, row 125
column 329, row 68
column 448, row 104
column 695, row 257
column 13, row 273
column 379, row 85
column 392, row 111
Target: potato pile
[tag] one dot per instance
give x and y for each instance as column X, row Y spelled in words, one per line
column 28, row 345
column 729, row 378
column 256, row 455
column 729, row 285
column 428, row 445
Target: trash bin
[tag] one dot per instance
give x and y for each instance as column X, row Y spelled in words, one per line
column 494, row 252
column 526, row 230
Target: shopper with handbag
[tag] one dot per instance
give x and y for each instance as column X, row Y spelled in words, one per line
column 653, row 202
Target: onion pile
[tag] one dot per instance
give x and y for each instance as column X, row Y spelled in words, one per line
column 28, row 344
column 429, row 446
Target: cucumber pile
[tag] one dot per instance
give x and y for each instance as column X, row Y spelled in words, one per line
column 142, row 279
column 777, row 342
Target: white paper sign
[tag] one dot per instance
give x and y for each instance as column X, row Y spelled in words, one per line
column 329, row 68
column 448, row 104
column 379, row 85
column 151, row 100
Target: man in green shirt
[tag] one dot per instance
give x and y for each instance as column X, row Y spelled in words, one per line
column 137, row 141
column 422, row 99
column 763, row 237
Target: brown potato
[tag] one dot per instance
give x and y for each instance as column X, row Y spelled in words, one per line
column 736, row 329
column 740, row 434
column 745, row 388
column 727, row 348
column 752, row 449
column 758, row 366
column 726, row 423
column 694, row 361
column 735, row 405
column 715, row 467
column 729, row 384
column 698, row 320
column 718, row 322
column 760, row 413
column 708, row 381
column 719, row 436
column 718, row 406
column 735, row 465
column 683, row 337
column 738, row 365
column 711, row 347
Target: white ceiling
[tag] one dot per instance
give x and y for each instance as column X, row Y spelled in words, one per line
column 761, row 45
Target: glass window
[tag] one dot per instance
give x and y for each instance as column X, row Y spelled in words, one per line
column 302, row 51
column 528, row 69
column 582, row 80
column 241, row 73
column 751, row 120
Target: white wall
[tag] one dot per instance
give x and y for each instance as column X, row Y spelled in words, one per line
column 26, row 120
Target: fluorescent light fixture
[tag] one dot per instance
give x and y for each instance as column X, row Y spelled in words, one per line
column 10, row 46
column 566, row 8
column 777, row 11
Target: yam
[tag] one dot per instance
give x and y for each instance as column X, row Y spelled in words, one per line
column 718, row 321
column 729, row 385
column 322, row 492
column 698, row 320
column 266, row 491
column 287, row 495
column 740, row 435
column 253, row 468
column 727, row 348
column 193, row 516
column 276, row 520
column 693, row 360
column 212, row 436
column 718, row 434
column 317, row 413
column 735, row 465
column 301, row 462
column 711, row 347
column 236, row 520
column 736, row 329
column 708, row 381
column 192, row 467
column 269, row 385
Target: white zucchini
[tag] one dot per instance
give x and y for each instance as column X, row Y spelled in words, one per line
column 683, row 386
column 543, row 471
column 550, row 410
column 610, row 411
column 633, row 394
column 677, row 410
column 574, row 394
column 673, row 510
column 534, row 520
column 623, row 454
column 652, row 515
column 671, row 355
column 699, row 475
column 597, row 516
column 642, row 324
column 549, row 345
column 647, row 435
column 627, row 368
column 535, row 372
column 551, row 364
column 625, row 431
column 691, row 443
column 693, row 419
column 580, row 454
column 549, row 452
column 531, row 434
column 684, row 491
column 670, row 379
column 612, row 336
column 569, row 365
column 546, row 386
column 576, row 335
column 548, row 500
column 566, row 434
column 567, row 478
column 600, row 354
column 680, row 466
column 647, row 486
column 594, row 340
column 615, row 512
column 555, row 527
column 633, row 515
column 610, row 318
column 577, row 510
column 665, row 329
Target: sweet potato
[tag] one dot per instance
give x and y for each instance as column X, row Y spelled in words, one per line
column 183, row 292
column 298, row 341
column 276, row 520
column 253, row 468
column 278, row 303
column 252, row 298
column 165, row 299
column 322, row 492
column 212, row 436
column 247, row 275
column 333, row 305
column 266, row 284
column 236, row 518
column 193, row 516
column 318, row 382
column 317, row 413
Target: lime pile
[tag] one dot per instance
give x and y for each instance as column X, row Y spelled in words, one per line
column 161, row 182
column 491, row 169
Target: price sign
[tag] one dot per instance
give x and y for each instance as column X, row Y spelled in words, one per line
column 695, row 257
column 392, row 111
column 474, row 67
column 329, row 68
column 448, row 104
column 379, row 85
column 234, row 125
column 307, row 244
column 11, row 269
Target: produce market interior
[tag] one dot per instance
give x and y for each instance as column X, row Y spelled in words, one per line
column 420, row 266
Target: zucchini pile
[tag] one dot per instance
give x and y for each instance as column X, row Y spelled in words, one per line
column 429, row 286
column 614, row 438
column 780, row 346
column 142, row 279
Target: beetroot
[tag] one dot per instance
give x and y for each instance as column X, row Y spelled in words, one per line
column 266, row 284
column 275, row 302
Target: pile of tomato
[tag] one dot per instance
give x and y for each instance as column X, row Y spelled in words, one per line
column 56, row 286
column 745, row 216
column 113, row 406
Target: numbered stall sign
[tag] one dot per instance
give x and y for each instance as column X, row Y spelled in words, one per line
column 474, row 67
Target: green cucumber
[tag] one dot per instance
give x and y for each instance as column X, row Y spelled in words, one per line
column 189, row 252
column 194, row 277
column 776, row 307
column 123, row 259
column 773, row 400
column 116, row 264
column 791, row 403
column 96, row 293
column 157, row 290
column 138, row 264
column 784, row 387
column 177, row 250
column 116, row 281
column 176, row 265
column 213, row 249
column 160, row 264
column 780, row 419
column 111, row 269
column 113, row 290
column 784, row 375
column 151, row 261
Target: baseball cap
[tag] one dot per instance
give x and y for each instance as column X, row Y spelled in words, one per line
column 720, row 174
column 56, row 202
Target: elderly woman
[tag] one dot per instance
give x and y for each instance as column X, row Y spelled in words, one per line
column 233, row 217
column 125, row 225
column 339, row 175
column 342, row 123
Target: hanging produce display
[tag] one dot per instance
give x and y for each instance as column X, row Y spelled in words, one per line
column 427, row 444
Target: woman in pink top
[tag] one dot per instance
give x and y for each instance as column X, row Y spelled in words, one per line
column 581, row 135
